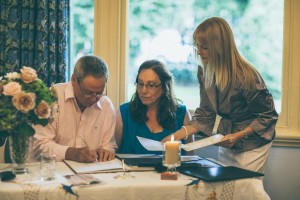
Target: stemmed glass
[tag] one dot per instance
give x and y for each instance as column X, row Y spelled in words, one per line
column 125, row 175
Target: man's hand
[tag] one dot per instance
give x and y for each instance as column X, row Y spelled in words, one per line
column 81, row 154
column 105, row 155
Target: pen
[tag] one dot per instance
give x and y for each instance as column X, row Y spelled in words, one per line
column 84, row 140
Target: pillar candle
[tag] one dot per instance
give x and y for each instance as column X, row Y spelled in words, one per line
column 172, row 152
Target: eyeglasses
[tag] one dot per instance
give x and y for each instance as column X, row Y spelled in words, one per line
column 88, row 94
column 149, row 86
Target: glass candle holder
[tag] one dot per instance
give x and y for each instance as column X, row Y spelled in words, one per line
column 172, row 155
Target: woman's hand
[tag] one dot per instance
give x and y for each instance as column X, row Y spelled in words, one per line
column 231, row 139
column 177, row 136
column 183, row 133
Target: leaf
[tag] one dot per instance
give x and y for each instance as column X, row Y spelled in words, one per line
column 26, row 129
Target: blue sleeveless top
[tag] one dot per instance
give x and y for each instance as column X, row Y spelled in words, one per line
column 131, row 145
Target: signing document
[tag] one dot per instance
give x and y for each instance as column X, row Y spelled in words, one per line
column 94, row 167
column 152, row 145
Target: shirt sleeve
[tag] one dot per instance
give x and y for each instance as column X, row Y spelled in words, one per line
column 261, row 104
column 204, row 116
column 44, row 142
column 109, row 141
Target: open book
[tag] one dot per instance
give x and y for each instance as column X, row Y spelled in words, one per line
column 152, row 145
column 95, row 167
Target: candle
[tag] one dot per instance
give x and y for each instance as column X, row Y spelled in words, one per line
column 172, row 152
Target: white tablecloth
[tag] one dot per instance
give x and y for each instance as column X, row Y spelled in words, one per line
column 145, row 185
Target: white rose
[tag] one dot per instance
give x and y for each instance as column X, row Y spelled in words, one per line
column 28, row 74
column 11, row 88
column 12, row 75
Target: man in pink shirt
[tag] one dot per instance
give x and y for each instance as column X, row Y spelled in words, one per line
column 83, row 130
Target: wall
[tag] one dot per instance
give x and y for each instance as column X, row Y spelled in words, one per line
column 282, row 173
column 282, row 176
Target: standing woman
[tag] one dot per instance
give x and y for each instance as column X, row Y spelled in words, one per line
column 153, row 111
column 231, row 88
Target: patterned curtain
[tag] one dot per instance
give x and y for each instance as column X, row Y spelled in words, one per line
column 34, row 33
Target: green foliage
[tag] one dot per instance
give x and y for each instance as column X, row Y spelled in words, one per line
column 184, row 76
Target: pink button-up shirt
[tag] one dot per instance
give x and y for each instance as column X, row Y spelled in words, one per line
column 96, row 124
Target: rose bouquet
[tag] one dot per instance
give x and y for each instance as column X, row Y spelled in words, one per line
column 24, row 101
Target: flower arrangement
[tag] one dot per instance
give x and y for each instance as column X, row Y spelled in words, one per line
column 24, row 101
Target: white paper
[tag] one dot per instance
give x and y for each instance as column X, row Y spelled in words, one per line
column 203, row 143
column 152, row 145
column 78, row 167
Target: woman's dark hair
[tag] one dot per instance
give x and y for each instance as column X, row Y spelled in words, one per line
column 167, row 105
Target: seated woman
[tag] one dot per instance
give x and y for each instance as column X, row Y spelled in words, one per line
column 153, row 111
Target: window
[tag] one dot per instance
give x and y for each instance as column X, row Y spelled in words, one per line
column 155, row 32
column 111, row 44
column 82, row 30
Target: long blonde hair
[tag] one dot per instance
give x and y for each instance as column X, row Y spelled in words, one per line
column 225, row 64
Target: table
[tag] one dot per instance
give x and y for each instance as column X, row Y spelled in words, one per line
column 145, row 185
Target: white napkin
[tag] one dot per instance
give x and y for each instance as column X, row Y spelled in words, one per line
column 83, row 179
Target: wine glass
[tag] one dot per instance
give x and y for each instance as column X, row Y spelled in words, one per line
column 125, row 175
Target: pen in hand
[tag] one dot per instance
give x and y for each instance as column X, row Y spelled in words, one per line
column 86, row 144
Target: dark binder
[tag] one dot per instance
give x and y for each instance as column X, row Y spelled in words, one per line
column 140, row 160
column 211, row 174
column 151, row 160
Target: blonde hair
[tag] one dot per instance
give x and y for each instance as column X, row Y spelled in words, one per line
column 225, row 64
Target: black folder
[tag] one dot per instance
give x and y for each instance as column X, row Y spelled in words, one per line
column 151, row 160
column 140, row 160
column 211, row 174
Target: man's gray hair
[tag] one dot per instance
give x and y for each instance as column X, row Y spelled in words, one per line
column 90, row 65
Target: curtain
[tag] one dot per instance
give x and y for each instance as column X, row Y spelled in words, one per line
column 35, row 33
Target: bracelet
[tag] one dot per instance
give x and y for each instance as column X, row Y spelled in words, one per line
column 186, row 132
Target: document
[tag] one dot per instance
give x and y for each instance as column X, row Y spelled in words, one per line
column 95, row 167
column 215, row 139
column 152, row 145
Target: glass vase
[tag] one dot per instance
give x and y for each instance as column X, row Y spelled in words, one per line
column 19, row 146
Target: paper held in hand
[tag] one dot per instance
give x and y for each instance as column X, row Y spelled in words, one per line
column 152, row 145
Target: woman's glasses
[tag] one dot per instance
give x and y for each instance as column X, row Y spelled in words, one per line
column 149, row 86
